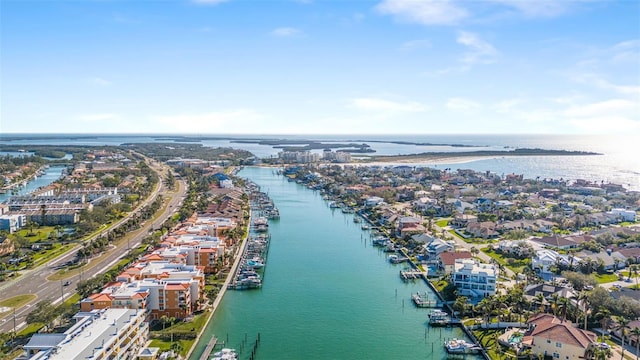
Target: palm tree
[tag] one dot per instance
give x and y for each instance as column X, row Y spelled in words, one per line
column 622, row 326
column 540, row 300
column 563, row 306
column 582, row 300
column 164, row 319
column 636, row 333
column 555, row 302
column 605, row 319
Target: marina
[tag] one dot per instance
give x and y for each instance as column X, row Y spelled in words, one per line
column 312, row 304
column 252, row 263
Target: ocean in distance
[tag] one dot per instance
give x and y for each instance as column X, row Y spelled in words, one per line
column 618, row 163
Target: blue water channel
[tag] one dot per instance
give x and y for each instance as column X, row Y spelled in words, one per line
column 51, row 174
column 327, row 293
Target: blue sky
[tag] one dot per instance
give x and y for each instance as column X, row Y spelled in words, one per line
column 324, row 67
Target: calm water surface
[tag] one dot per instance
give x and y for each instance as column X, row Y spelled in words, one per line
column 327, row 293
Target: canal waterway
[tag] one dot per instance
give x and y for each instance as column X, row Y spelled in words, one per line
column 51, row 174
column 327, row 293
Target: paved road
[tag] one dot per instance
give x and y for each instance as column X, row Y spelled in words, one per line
column 35, row 281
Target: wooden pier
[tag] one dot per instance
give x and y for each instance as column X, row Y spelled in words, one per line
column 207, row 351
column 411, row 274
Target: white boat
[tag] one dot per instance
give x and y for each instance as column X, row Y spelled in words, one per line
column 225, row 354
column 439, row 318
column 460, row 346
column 255, row 263
column 365, row 227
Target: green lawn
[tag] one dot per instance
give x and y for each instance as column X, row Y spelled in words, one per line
column 606, row 278
column 30, row 330
column 39, row 234
column 195, row 325
column 442, row 223
column 517, row 266
column 487, row 339
column 16, row 301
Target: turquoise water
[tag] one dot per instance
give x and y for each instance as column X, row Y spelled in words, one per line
column 51, row 174
column 327, row 293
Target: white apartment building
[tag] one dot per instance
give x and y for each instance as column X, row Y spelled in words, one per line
column 474, row 279
column 99, row 334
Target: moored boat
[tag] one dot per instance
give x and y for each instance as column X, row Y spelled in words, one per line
column 225, row 354
column 460, row 346
column 438, row 317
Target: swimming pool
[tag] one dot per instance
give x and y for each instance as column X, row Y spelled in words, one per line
column 515, row 338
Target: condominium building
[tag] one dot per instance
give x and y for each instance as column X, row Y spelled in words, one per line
column 99, row 334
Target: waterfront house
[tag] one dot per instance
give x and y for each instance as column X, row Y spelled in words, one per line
column 474, row 279
column 409, row 225
column 373, row 201
column 557, row 338
column 447, row 260
column 435, row 246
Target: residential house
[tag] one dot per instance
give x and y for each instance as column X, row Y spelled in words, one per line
column 557, row 338
column 409, row 225
column 474, row 279
column 544, row 259
column 609, row 260
column 462, row 220
column 436, row 247
column 559, row 242
column 485, row 229
column 447, row 260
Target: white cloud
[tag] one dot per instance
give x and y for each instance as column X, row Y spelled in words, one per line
column 462, row 104
column 286, row 32
column 604, row 108
column 598, row 81
column 506, row 106
column 539, row 8
column 424, row 12
column 415, row 44
column 626, row 51
column 239, row 120
column 481, row 51
column 98, row 81
column 375, row 104
column 97, row 117
column 209, row 2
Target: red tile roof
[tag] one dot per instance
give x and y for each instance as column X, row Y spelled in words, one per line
column 449, row 257
column 550, row 327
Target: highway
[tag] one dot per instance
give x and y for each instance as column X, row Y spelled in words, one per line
column 35, row 281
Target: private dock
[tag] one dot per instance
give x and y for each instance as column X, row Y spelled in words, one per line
column 411, row 274
column 207, row 351
column 423, row 301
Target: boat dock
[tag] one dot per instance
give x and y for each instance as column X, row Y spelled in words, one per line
column 423, row 301
column 411, row 274
column 207, row 351
column 254, row 254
